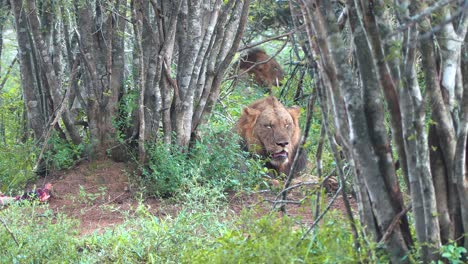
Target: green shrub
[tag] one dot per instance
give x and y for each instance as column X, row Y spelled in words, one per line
column 33, row 234
column 193, row 236
column 16, row 163
column 148, row 239
column 453, row 253
column 275, row 240
column 62, row 154
column 166, row 172
column 215, row 162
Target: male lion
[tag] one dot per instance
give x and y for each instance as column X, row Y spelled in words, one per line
column 266, row 71
column 272, row 131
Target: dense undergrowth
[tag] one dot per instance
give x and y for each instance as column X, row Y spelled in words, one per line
column 32, row 234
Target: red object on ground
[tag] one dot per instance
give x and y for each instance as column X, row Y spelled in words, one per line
column 42, row 194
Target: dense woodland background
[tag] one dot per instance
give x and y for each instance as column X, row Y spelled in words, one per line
column 158, row 84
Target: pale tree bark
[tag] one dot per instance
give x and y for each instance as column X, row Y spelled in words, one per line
column 159, row 20
column 333, row 95
column 451, row 38
column 101, row 52
column 445, row 130
column 190, row 45
column 225, row 45
column 139, row 74
column 32, row 99
column 413, row 117
column 366, row 139
column 4, row 10
column 219, row 42
column 205, row 44
column 433, row 162
column 376, row 80
column 54, row 84
column 461, row 174
column 167, row 85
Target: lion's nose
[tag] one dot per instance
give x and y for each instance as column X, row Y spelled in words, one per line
column 282, row 143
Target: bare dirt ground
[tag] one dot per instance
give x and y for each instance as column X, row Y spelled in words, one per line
column 99, row 194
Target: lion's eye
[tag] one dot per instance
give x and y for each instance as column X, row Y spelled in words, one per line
column 268, row 126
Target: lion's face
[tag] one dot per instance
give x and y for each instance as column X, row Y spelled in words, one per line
column 274, row 129
column 271, row 130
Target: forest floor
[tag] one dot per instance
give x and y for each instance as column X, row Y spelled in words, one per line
column 100, row 195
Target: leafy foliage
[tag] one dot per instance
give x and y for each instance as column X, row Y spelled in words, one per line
column 190, row 237
column 16, row 150
column 275, row 240
column 215, row 162
column 62, row 154
column 16, row 164
column 39, row 235
column 453, row 253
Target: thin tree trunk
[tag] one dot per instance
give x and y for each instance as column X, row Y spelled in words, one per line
column 103, row 65
column 389, row 86
column 227, row 35
column 461, row 174
column 35, row 115
column 375, row 111
column 53, row 82
column 139, row 74
column 360, row 140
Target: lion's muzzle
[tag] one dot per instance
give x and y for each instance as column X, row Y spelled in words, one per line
column 280, row 157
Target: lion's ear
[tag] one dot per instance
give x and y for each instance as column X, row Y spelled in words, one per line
column 295, row 112
column 251, row 114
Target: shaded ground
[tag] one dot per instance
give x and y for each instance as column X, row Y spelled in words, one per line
column 99, row 194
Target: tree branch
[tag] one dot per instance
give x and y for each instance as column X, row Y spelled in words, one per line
column 7, row 74
column 299, row 152
column 9, row 231
column 317, row 220
column 419, row 17
column 393, row 224
column 267, row 40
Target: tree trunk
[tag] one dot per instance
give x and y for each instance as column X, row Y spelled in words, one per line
column 367, row 141
column 47, row 66
column 32, row 99
column 103, row 61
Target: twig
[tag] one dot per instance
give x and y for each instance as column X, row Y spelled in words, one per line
column 337, row 158
column 393, row 224
column 108, row 202
column 257, row 63
column 7, row 74
column 297, row 186
column 284, row 201
column 442, row 24
column 318, row 165
column 417, row 18
column 57, row 116
column 299, row 152
column 266, row 40
column 321, row 215
column 9, row 231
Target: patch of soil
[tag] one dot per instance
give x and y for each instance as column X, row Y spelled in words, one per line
column 99, row 194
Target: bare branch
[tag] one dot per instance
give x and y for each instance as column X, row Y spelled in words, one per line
column 267, row 40
column 419, row 17
column 7, row 74
column 58, row 114
column 317, row 220
column 393, row 224
column 292, row 172
column 258, row 63
column 9, row 231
